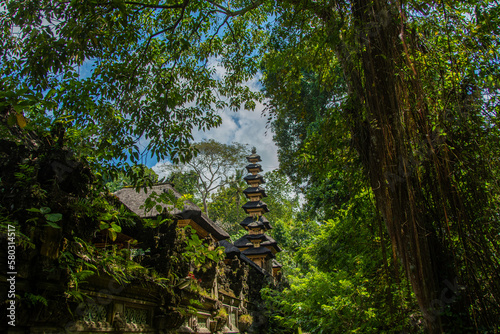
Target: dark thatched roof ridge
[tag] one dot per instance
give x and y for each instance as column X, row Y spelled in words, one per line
column 255, row 205
column 254, row 190
column 253, row 156
column 229, row 248
column 254, row 166
column 258, row 251
column 134, row 200
column 266, row 240
column 252, row 177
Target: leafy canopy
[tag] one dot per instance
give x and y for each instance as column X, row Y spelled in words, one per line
column 126, row 78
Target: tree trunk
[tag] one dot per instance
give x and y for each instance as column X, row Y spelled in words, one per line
column 428, row 172
column 205, row 205
column 383, row 139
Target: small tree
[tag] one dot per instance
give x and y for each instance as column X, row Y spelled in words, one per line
column 225, row 205
column 215, row 166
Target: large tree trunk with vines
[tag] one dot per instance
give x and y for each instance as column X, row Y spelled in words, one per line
column 425, row 153
column 431, row 186
column 384, row 130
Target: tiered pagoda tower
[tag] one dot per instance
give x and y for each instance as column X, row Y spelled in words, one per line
column 257, row 245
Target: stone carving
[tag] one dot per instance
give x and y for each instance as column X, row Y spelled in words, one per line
column 118, row 321
column 136, row 316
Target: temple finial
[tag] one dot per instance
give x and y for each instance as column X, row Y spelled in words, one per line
column 254, row 150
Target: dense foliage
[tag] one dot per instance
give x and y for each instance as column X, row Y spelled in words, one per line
column 125, row 79
column 408, row 86
column 398, row 97
column 70, row 231
column 341, row 275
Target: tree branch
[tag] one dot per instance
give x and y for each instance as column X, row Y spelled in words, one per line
column 172, row 27
column 145, row 5
column 324, row 12
column 242, row 11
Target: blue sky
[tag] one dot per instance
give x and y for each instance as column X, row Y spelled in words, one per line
column 245, row 127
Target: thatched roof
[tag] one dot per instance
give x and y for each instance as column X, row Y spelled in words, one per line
column 252, row 177
column 258, row 251
column 254, row 166
column 135, row 199
column 265, row 241
column 255, row 205
column 261, row 221
column 229, row 249
column 254, row 157
column 254, row 190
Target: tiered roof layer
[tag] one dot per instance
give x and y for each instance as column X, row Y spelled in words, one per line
column 256, row 244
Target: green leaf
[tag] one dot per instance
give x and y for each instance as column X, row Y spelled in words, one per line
column 116, row 228
column 21, row 121
column 53, row 217
column 81, row 275
column 44, row 210
column 106, row 216
column 18, row 108
column 50, row 93
column 52, row 224
column 34, row 210
column 103, row 225
column 112, row 234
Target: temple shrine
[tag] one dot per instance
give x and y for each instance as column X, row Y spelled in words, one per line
column 257, row 245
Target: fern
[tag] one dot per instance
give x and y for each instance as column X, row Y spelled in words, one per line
column 35, row 299
column 83, row 275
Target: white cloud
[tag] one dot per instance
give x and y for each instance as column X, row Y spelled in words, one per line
column 245, row 126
